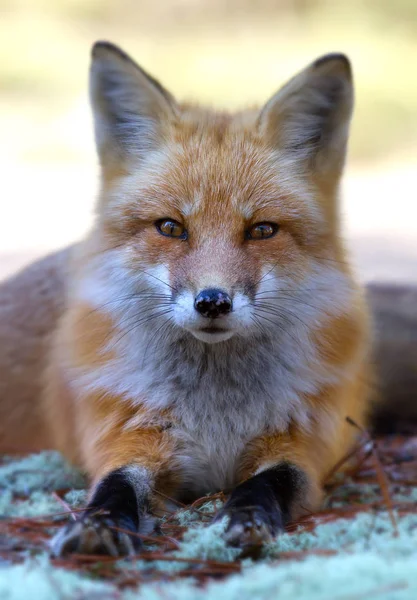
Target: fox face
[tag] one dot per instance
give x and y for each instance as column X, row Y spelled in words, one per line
column 224, row 225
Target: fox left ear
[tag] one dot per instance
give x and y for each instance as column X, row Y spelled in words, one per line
column 129, row 106
column 309, row 117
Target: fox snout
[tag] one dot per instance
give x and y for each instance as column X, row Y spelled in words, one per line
column 213, row 303
column 213, row 314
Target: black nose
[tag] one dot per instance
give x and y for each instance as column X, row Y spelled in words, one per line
column 213, row 303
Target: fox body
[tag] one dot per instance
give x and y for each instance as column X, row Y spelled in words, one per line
column 212, row 335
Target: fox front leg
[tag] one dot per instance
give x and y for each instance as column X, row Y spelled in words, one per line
column 126, row 463
column 119, row 510
column 260, row 507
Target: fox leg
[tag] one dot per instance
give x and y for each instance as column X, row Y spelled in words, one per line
column 260, row 507
column 281, row 480
column 127, row 464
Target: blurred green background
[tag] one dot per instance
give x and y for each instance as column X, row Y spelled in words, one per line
column 228, row 53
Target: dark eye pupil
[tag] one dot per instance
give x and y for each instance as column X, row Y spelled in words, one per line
column 170, row 227
column 262, row 230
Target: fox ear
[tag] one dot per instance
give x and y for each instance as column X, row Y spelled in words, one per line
column 129, row 106
column 310, row 115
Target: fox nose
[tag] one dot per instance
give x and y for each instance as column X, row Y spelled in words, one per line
column 212, row 303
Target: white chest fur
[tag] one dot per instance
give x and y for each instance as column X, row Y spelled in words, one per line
column 220, row 396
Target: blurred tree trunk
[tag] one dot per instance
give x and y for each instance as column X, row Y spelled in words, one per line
column 395, row 319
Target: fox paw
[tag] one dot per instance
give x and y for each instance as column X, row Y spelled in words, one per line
column 94, row 534
column 248, row 528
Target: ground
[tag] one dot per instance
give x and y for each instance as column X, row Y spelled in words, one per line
column 362, row 544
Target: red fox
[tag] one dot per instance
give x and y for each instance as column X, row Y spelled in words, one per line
column 208, row 334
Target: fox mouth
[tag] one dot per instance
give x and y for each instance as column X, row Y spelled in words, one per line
column 212, row 334
column 213, row 329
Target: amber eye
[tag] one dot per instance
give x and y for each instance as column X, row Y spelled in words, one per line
column 261, row 231
column 171, row 228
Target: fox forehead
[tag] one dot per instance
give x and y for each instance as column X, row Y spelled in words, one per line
column 212, row 168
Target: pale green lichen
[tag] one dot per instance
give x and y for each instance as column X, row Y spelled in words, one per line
column 370, row 561
column 76, row 498
column 368, row 493
column 365, row 531
column 44, row 471
column 37, row 505
column 359, row 576
column 186, row 516
column 38, row 580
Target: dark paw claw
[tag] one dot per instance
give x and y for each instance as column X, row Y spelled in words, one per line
column 95, row 534
column 248, row 527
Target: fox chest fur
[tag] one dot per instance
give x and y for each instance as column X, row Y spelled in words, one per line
column 212, row 399
column 220, row 400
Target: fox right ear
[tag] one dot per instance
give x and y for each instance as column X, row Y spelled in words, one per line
column 309, row 117
column 129, row 106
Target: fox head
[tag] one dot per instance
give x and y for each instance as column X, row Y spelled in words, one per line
column 225, row 225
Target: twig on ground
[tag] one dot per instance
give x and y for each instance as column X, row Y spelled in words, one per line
column 381, row 476
column 65, row 505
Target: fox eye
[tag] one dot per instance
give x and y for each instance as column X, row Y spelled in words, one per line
column 171, row 228
column 261, row 231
